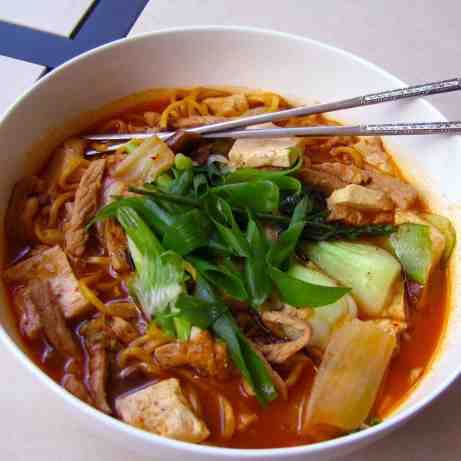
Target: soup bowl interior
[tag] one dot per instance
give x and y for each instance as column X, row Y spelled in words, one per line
column 293, row 66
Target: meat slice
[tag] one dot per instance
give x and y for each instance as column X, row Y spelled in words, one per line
column 75, row 386
column 52, row 319
column 52, row 265
column 98, row 370
column 18, row 227
column 330, row 176
column 201, row 352
column 116, row 245
column 97, row 364
column 401, row 193
column 29, row 322
column 85, row 206
column 196, row 120
column 348, row 174
column 321, row 180
column 298, row 330
column 163, row 409
column 123, row 330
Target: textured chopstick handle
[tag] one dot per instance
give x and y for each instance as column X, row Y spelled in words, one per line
column 388, row 129
column 425, row 89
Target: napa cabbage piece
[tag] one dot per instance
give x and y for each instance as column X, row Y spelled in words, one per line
column 370, row 271
column 159, row 274
column 145, row 162
column 346, row 385
column 325, row 320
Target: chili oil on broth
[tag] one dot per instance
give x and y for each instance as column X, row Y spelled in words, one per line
column 416, row 349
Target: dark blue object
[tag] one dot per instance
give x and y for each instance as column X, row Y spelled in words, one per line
column 107, row 20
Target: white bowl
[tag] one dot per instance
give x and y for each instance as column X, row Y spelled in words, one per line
column 253, row 58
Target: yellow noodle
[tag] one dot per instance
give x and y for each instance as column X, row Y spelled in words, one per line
column 47, row 236
column 295, row 373
column 227, row 417
column 58, row 202
column 29, row 212
column 99, row 260
column 177, row 105
column 92, row 278
column 91, row 297
column 133, row 352
column 122, row 309
column 351, row 152
column 70, row 168
column 106, row 286
column 274, row 104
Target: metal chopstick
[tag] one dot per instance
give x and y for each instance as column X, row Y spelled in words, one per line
column 425, row 89
column 381, row 129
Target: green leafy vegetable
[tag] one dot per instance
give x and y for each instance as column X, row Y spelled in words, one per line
column 285, row 246
column 240, row 350
column 300, row 294
column 279, row 177
column 413, row 247
column 188, row 232
column 198, row 312
column 164, row 181
column 159, row 274
column 200, row 185
column 154, row 215
column 182, row 162
column 257, row 279
column 221, row 277
column 183, row 328
column 258, row 195
column 245, row 358
column 220, row 212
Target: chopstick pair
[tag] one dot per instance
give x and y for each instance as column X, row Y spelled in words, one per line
column 230, row 128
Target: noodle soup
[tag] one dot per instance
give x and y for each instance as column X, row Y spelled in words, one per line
column 248, row 294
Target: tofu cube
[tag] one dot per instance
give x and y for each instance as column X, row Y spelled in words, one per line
column 162, row 409
column 276, row 152
column 53, row 266
column 361, row 198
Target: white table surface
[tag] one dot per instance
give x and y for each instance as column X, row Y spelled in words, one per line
column 417, row 41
